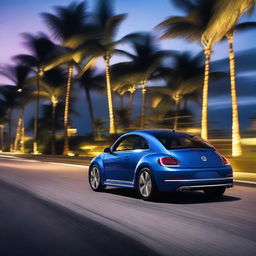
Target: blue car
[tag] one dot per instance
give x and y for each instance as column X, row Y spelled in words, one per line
column 161, row 160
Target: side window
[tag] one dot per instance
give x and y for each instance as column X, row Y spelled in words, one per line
column 125, row 144
column 132, row 142
column 140, row 143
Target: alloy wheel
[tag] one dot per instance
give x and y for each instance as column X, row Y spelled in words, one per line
column 145, row 184
column 95, row 177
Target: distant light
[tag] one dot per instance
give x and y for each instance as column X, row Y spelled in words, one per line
column 37, row 153
column 88, row 147
column 72, row 131
column 248, row 141
column 192, row 130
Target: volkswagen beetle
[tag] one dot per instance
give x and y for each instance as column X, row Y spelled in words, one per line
column 161, row 160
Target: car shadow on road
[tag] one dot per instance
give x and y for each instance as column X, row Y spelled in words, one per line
column 188, row 197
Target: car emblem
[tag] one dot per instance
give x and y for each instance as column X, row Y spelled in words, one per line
column 203, row 158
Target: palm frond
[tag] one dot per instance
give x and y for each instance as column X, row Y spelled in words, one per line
column 26, row 59
column 113, row 24
column 88, row 65
column 124, row 53
column 225, row 15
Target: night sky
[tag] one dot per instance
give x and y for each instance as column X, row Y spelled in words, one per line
column 18, row 16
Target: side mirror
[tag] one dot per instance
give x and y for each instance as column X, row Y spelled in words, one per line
column 107, row 150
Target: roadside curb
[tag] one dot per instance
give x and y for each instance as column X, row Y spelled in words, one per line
column 245, row 183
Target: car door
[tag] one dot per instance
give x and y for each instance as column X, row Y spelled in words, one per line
column 140, row 148
column 116, row 162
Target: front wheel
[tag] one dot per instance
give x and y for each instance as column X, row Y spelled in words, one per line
column 145, row 185
column 95, row 178
column 214, row 192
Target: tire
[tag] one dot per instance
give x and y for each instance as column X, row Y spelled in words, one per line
column 95, row 179
column 214, row 192
column 145, row 185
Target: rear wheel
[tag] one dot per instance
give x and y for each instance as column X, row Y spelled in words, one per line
column 214, row 192
column 95, row 179
column 145, row 184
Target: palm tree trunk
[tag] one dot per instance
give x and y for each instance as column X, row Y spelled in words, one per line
column 22, row 140
column 131, row 104
column 122, row 101
column 89, row 101
column 35, row 144
column 175, row 124
column 2, row 137
column 204, row 119
column 112, row 128
column 236, row 139
column 18, row 132
column 53, row 149
column 143, row 103
column 9, row 130
column 66, row 112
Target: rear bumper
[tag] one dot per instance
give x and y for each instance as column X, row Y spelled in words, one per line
column 192, row 179
column 198, row 187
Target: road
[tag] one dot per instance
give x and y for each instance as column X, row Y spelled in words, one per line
column 176, row 224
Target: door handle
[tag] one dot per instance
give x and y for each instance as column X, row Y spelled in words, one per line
column 126, row 158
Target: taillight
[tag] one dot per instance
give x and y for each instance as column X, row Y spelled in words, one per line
column 225, row 160
column 168, row 161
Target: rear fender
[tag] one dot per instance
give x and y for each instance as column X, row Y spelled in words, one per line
column 150, row 161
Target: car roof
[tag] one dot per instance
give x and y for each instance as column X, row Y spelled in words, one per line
column 155, row 132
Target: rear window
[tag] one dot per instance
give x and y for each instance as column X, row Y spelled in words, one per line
column 180, row 140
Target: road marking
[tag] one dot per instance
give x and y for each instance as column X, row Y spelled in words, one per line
column 75, row 165
column 36, row 161
column 26, row 160
column 20, row 159
column 8, row 156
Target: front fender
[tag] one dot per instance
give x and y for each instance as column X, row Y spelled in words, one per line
column 98, row 160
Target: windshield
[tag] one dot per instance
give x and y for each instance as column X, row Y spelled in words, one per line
column 181, row 140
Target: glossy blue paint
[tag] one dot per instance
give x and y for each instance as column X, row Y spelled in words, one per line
column 199, row 163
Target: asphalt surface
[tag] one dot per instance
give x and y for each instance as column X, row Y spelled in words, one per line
column 56, row 209
column 30, row 226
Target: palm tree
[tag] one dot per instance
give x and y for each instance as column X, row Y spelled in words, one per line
column 219, row 27
column 191, row 26
column 124, row 80
column 9, row 101
column 3, row 120
column 104, row 44
column 90, row 80
column 184, row 78
column 67, row 23
column 41, row 49
column 18, row 75
column 121, row 89
column 25, row 96
column 236, row 138
column 145, row 60
column 53, row 88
